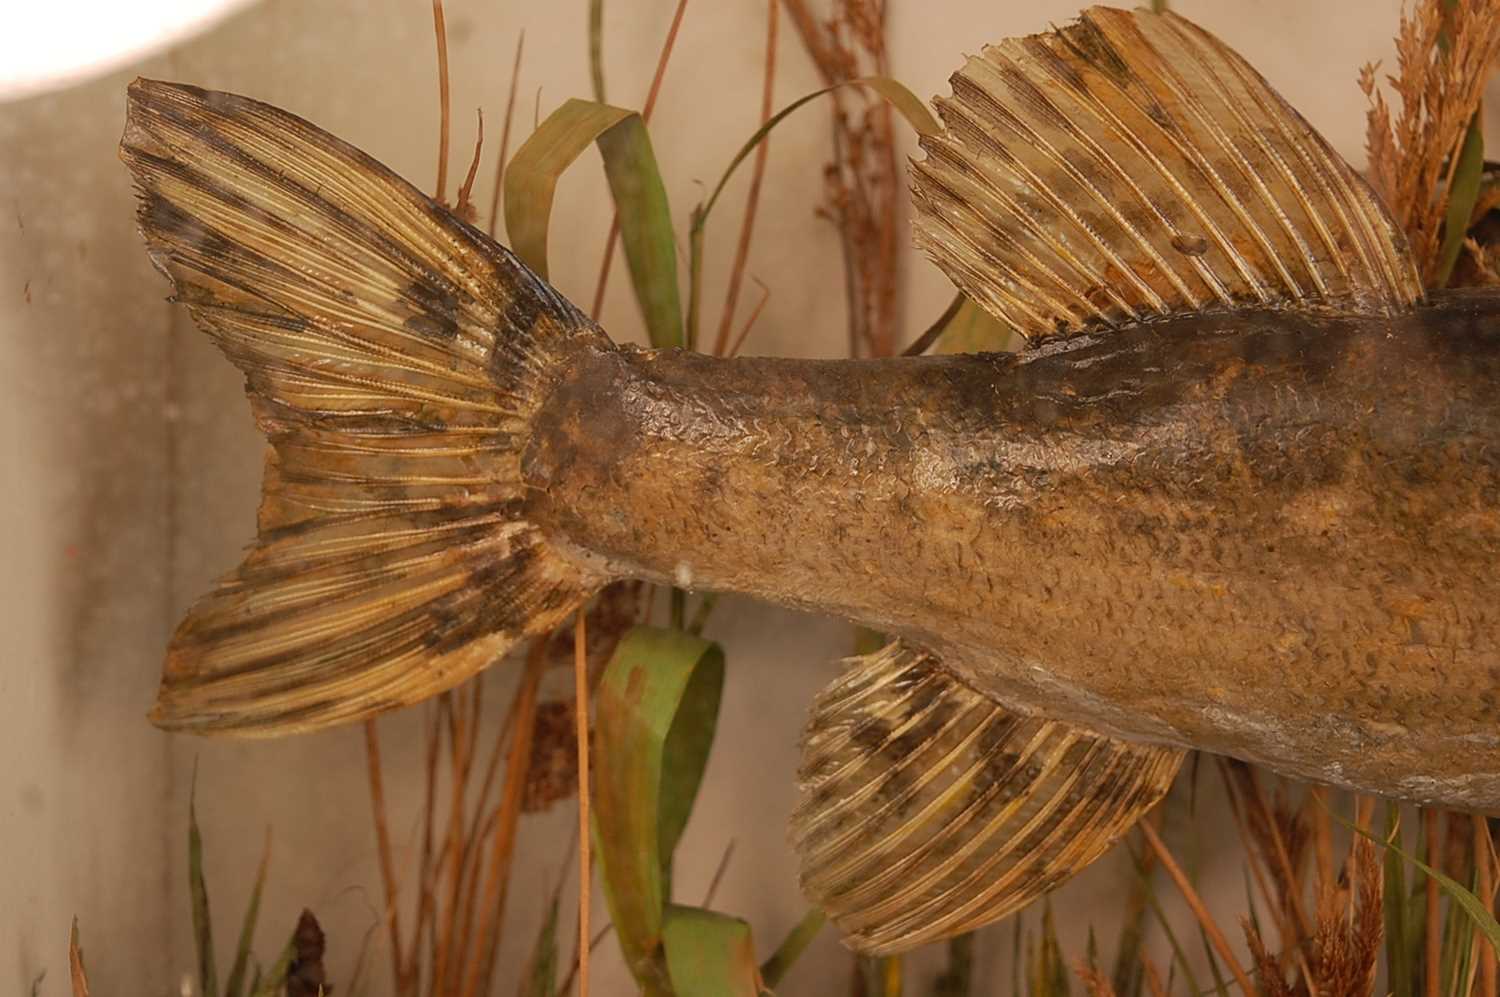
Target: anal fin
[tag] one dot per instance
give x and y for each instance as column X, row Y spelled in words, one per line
column 929, row 809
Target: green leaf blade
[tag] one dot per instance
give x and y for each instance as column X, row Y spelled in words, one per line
column 657, row 710
column 640, row 200
column 236, row 983
column 203, row 929
column 780, row 962
column 540, row 979
column 1463, row 899
column 709, row 954
column 1462, row 196
column 974, row 330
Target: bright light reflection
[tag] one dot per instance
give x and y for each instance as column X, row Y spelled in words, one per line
column 47, row 44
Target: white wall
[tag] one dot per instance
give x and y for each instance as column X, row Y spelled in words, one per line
column 131, row 466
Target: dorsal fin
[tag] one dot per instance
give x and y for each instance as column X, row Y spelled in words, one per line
column 1130, row 166
column 929, row 809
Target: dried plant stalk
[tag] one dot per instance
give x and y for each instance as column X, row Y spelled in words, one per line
column 1195, row 903
column 581, row 699
column 864, row 187
column 752, row 198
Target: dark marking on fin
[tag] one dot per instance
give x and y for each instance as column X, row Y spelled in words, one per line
column 1135, row 152
column 929, row 809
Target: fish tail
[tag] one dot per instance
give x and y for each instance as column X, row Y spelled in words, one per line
column 394, row 357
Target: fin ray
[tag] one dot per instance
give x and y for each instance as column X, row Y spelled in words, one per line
column 928, row 809
column 1130, row 166
column 393, row 356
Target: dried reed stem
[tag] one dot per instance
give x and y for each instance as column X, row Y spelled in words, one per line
column 77, row 976
column 1322, row 835
column 479, row 971
column 1210, row 927
column 1278, row 850
column 465, row 206
column 752, row 198
column 426, row 874
column 651, row 95
column 1153, row 977
column 449, row 945
column 440, row 30
column 581, row 713
column 482, row 824
column 1364, row 817
column 734, row 350
column 383, row 849
column 1432, row 830
column 925, row 341
column 510, row 110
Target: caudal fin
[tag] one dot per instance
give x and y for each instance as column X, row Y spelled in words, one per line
column 393, row 357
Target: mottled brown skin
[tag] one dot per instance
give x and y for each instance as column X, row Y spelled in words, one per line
column 1271, row 535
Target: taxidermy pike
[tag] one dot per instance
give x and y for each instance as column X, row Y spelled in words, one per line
column 1240, row 493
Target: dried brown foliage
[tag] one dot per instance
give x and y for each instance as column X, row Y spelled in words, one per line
column 1343, row 952
column 1444, row 55
column 306, row 976
column 1095, row 983
column 1345, row 947
column 1268, row 972
column 864, row 192
column 553, row 776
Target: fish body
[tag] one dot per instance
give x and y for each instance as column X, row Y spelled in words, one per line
column 1239, row 492
column 1262, row 534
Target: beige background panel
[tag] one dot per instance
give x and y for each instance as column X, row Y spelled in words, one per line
column 132, row 467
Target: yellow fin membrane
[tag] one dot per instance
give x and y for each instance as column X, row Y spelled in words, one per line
column 1130, row 166
column 929, row 810
column 390, row 353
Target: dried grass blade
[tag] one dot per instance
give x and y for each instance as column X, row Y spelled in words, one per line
column 440, row 32
column 709, row 600
column 909, row 104
column 383, row 850
column 911, row 107
column 1179, row 954
column 1196, row 904
column 1126, row 978
column 77, row 976
column 510, row 111
column 1477, row 910
column 478, row 972
column 752, row 197
column 1400, row 974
